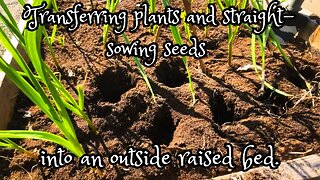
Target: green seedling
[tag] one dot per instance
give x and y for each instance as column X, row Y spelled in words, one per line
column 152, row 9
column 157, row 34
column 50, row 40
column 152, row 6
column 232, row 30
column 207, row 12
column 187, row 7
column 263, row 40
column 141, row 70
column 253, row 58
column 287, row 59
column 111, row 5
column 268, row 34
column 9, row 22
column 54, row 37
column 7, row 143
column 61, row 40
column 44, row 89
column 186, row 25
column 178, row 40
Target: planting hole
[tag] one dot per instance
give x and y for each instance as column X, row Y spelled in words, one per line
column 306, row 71
column 163, row 127
column 212, row 45
column 222, row 111
column 277, row 103
column 113, row 83
column 172, row 74
column 309, row 73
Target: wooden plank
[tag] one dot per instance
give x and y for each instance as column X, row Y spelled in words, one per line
column 301, row 168
column 8, row 91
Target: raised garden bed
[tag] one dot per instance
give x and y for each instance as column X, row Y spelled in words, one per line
column 230, row 107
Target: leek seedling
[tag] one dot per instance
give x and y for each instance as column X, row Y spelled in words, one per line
column 49, row 40
column 9, row 22
column 287, row 59
column 7, row 143
column 262, row 44
column 207, row 12
column 156, row 29
column 253, row 58
column 157, row 34
column 37, row 94
column 140, row 68
column 178, row 40
column 54, row 37
column 44, row 89
column 187, row 6
column 186, row 25
column 232, row 30
column 55, row 27
column 111, row 5
column 53, row 34
column 61, row 40
column 152, row 9
column 263, row 39
column 68, row 100
column 152, row 6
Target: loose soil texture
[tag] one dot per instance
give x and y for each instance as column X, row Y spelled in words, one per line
column 230, row 107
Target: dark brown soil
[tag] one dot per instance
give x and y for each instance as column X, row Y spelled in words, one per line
column 230, row 107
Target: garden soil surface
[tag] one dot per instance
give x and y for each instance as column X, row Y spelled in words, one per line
column 230, row 106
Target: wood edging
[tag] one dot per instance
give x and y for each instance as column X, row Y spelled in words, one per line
column 301, row 168
column 8, row 91
column 307, row 167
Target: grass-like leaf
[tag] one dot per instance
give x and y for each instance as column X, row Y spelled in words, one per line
column 178, row 40
column 232, row 30
column 23, row 134
column 44, row 89
column 207, row 12
column 141, row 70
column 253, row 58
column 111, row 5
